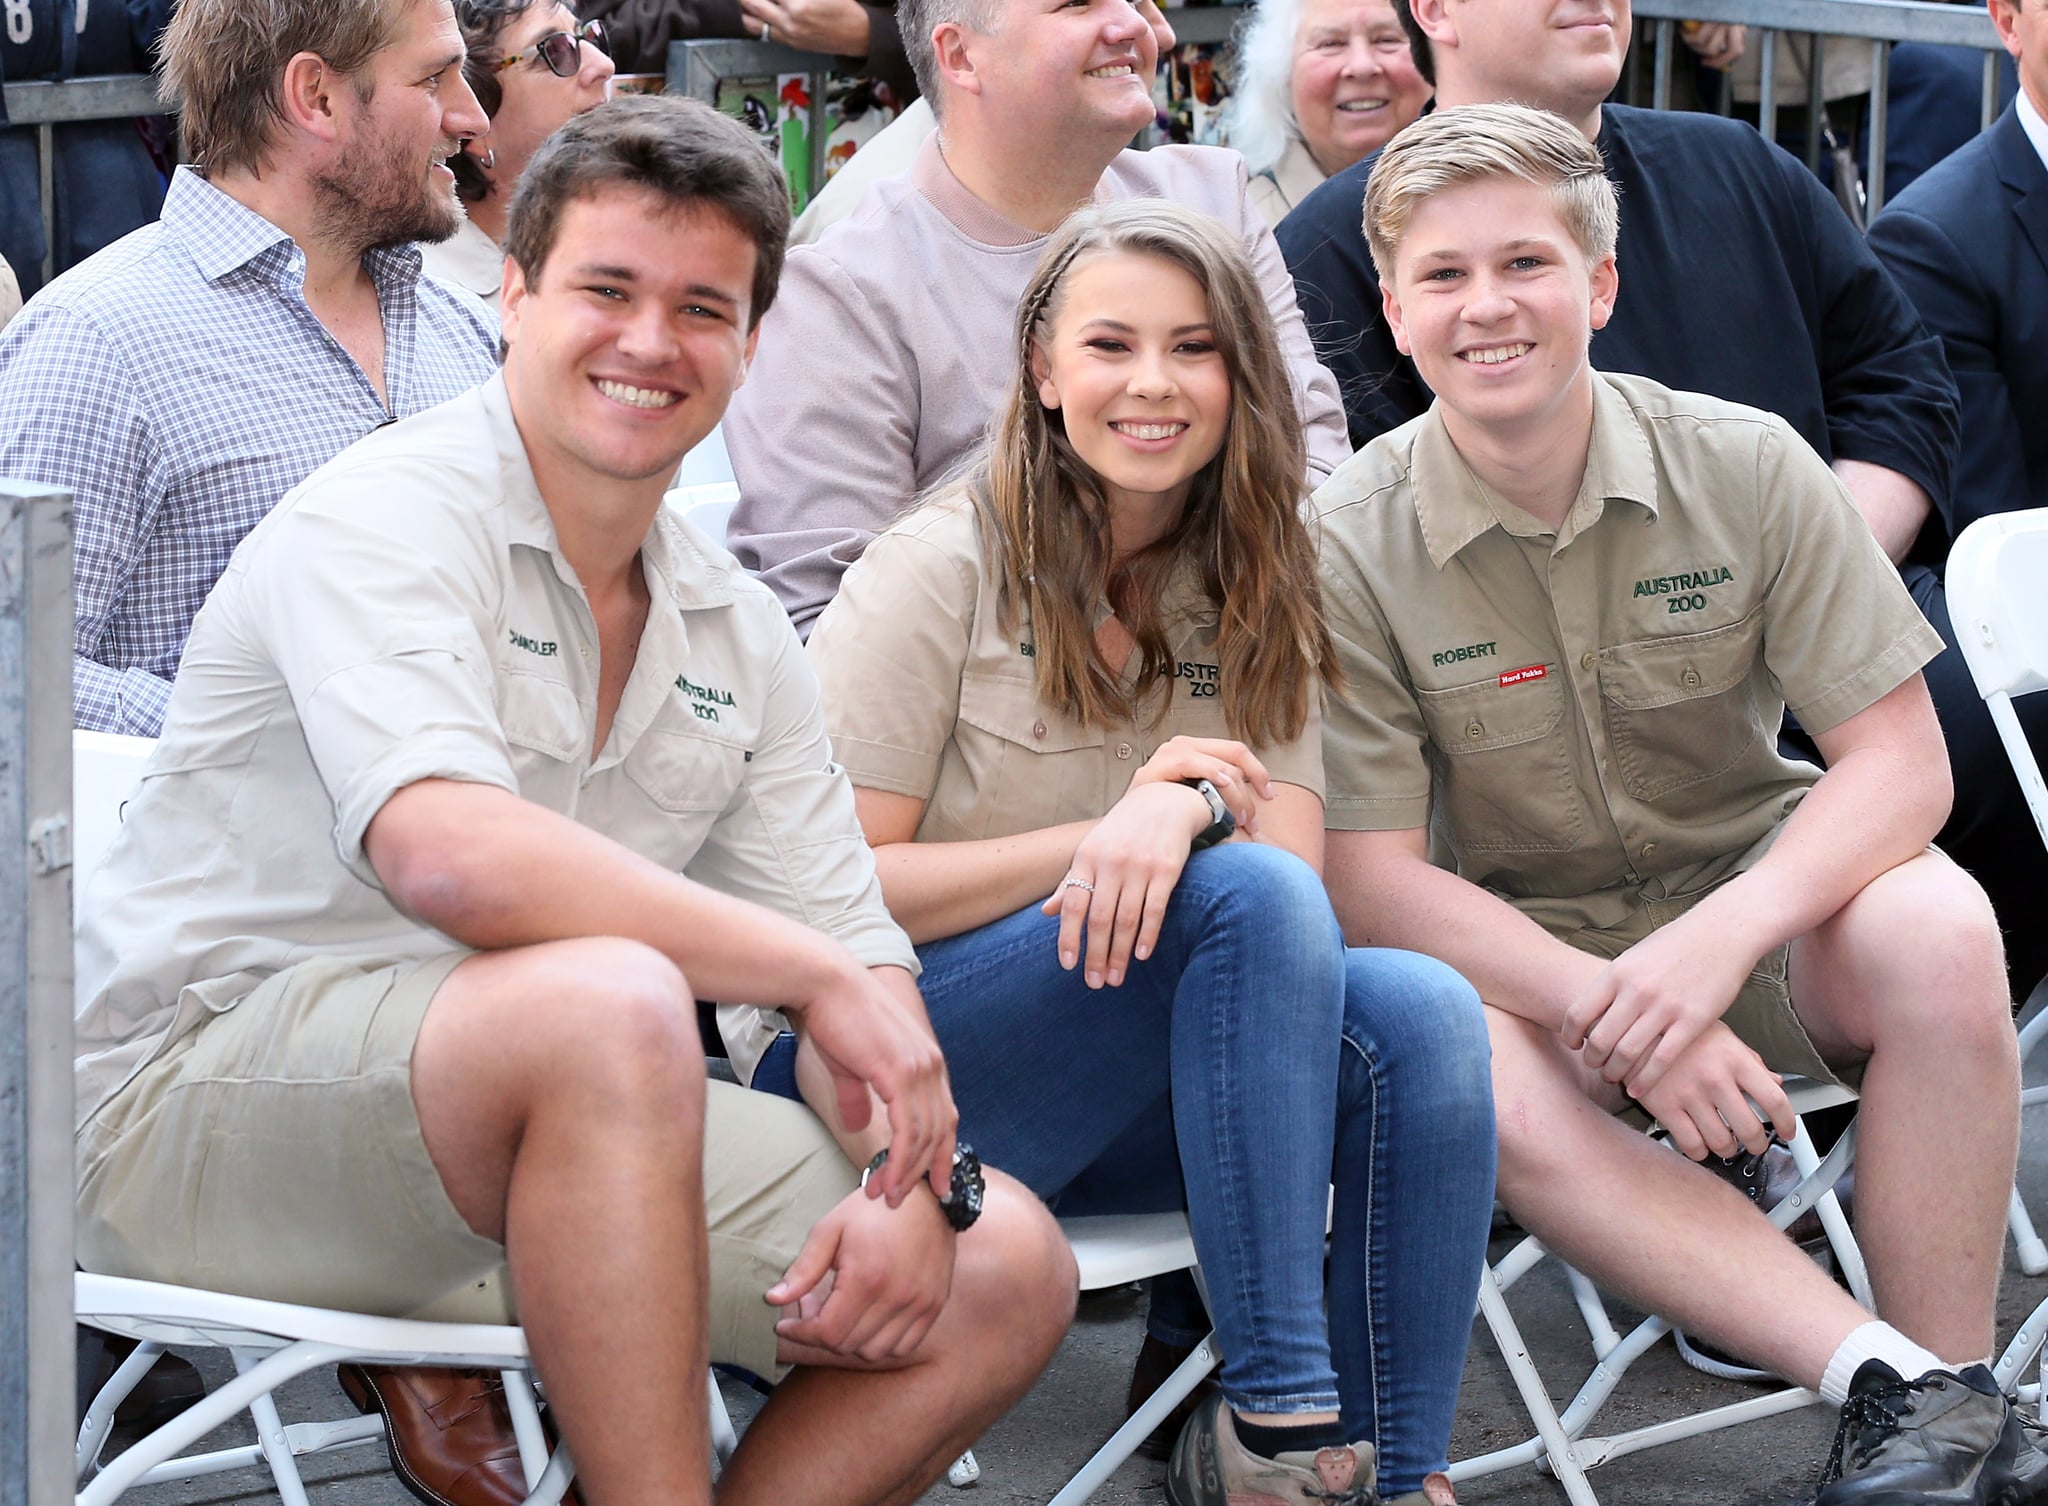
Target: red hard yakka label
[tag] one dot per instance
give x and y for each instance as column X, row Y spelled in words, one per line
column 1526, row 672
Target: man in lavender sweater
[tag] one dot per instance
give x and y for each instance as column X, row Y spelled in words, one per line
column 888, row 347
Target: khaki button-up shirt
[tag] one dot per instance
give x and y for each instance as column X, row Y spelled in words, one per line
column 927, row 695
column 1597, row 709
column 407, row 614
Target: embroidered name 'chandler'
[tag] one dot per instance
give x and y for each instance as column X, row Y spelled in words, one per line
column 545, row 649
column 1697, row 580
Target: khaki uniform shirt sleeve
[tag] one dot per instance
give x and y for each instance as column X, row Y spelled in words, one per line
column 789, row 839
column 373, row 612
column 889, row 653
column 1375, row 757
column 1840, row 630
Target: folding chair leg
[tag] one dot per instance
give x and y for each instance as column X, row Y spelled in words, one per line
column 526, row 1428
column 1557, row 1445
column 723, row 1439
column 1125, row 1440
column 99, row 1417
column 270, row 1436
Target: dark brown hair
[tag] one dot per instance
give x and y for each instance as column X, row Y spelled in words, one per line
column 223, row 63
column 1242, row 532
column 1418, row 42
column 482, row 23
column 680, row 150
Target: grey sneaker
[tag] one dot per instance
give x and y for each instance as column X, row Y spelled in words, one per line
column 1210, row 1467
column 1942, row 1438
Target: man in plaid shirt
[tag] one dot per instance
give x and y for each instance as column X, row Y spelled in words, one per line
column 182, row 380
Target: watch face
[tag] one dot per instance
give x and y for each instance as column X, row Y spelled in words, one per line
column 963, row 1203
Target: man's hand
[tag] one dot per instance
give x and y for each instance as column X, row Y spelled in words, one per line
column 839, row 27
column 1701, row 1100
column 870, row 1280
column 1651, row 1003
column 870, row 1036
column 1121, row 877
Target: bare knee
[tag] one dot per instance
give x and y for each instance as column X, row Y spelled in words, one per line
column 1015, row 1273
column 1919, row 949
column 628, row 1030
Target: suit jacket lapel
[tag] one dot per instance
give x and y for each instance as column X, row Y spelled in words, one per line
column 2021, row 169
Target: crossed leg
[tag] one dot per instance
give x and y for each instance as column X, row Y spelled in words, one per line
column 561, row 1093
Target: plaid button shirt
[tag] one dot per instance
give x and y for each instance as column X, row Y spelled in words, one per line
column 178, row 385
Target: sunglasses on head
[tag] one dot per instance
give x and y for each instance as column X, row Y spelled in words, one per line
column 562, row 50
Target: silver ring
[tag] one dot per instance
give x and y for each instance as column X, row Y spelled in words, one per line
column 1079, row 883
column 764, row 31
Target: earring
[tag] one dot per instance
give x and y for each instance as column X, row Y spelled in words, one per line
column 487, row 161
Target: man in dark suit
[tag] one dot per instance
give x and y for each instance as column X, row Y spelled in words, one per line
column 1969, row 243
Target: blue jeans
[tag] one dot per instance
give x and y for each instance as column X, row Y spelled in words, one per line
column 1243, row 1069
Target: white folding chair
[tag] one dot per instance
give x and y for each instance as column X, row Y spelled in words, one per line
column 1563, row 1441
column 270, row 1342
column 1997, row 583
column 1116, row 1250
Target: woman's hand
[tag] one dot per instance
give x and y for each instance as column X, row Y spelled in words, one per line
column 1233, row 768
column 1124, row 871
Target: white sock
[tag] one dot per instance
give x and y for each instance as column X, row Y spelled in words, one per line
column 1874, row 1341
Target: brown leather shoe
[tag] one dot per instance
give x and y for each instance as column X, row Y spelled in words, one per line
column 449, row 1432
column 1156, row 1361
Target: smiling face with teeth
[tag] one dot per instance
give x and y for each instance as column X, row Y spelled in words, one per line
column 1057, row 69
column 1354, row 82
column 622, row 354
column 1131, row 366
column 1496, row 304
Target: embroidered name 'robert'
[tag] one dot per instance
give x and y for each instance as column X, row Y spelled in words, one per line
column 1459, row 655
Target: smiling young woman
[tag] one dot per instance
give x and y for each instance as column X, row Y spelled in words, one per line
column 1079, row 695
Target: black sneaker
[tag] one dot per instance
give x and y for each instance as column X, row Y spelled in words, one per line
column 1942, row 1438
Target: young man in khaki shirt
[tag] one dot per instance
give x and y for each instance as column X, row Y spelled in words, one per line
column 1572, row 608
column 480, row 771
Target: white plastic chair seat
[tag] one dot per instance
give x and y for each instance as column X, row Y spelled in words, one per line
column 186, row 1315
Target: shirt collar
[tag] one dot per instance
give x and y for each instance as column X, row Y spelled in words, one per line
column 224, row 235
column 2035, row 127
column 1454, row 507
column 673, row 560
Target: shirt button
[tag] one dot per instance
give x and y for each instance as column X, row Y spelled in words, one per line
column 1648, row 848
column 584, row 651
column 1038, row 729
column 1586, row 660
column 1475, row 731
column 1691, row 678
column 1124, row 750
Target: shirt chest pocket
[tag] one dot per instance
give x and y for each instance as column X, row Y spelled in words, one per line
column 1505, row 766
column 682, row 782
column 1681, row 711
column 1013, row 766
column 546, row 733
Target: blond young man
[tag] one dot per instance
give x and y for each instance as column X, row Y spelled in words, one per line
column 1572, row 608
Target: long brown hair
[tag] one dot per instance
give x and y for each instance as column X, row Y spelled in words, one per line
column 1046, row 519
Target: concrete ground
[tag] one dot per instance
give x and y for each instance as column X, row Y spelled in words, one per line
column 1078, row 1402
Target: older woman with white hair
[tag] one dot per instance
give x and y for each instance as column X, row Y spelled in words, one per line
column 1318, row 85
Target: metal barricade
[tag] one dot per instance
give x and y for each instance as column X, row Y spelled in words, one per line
column 48, row 105
column 36, row 1354
column 1877, row 24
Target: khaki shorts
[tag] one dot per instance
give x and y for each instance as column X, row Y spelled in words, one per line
column 274, row 1152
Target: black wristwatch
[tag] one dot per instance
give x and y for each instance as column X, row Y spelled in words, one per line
column 1222, row 825
column 962, row 1202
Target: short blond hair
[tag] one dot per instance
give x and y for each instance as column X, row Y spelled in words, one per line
column 1472, row 143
